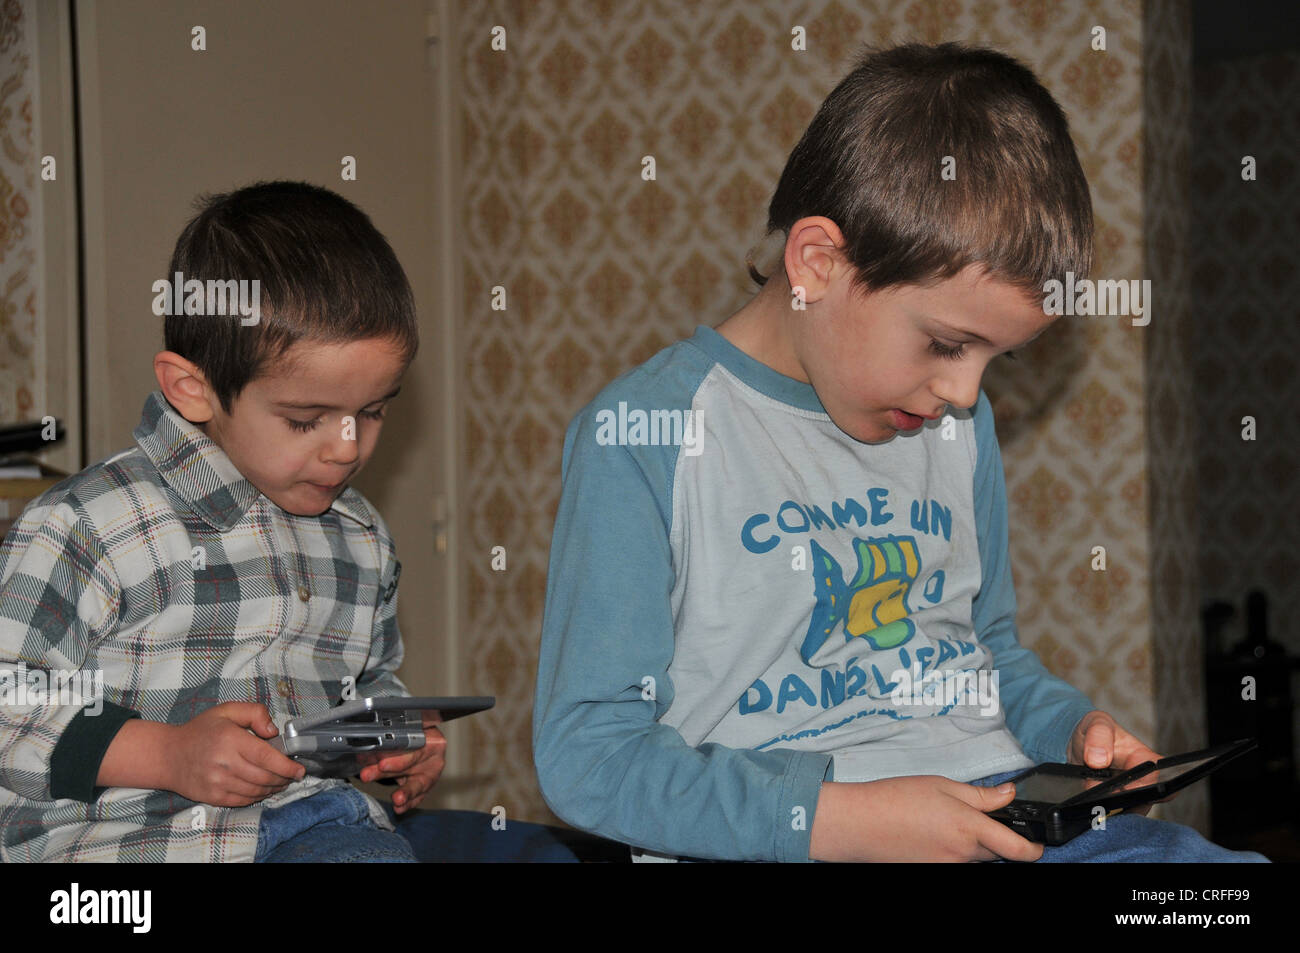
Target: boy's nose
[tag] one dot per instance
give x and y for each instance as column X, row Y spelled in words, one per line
column 344, row 449
column 961, row 392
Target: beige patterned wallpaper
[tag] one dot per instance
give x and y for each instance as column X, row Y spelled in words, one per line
column 602, row 269
column 21, row 373
column 1174, row 664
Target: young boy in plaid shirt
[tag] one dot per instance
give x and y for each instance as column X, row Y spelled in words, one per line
column 222, row 577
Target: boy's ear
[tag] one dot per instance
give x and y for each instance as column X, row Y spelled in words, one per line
column 813, row 255
column 184, row 386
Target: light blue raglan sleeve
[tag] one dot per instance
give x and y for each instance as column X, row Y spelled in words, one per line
column 604, row 763
column 1041, row 709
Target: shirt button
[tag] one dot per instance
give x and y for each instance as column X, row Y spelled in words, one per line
column 304, row 593
column 284, row 688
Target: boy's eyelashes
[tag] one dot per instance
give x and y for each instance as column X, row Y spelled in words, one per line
column 944, row 350
column 302, row 426
column 954, row 353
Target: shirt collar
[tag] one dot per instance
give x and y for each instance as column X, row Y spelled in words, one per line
column 756, row 374
column 201, row 474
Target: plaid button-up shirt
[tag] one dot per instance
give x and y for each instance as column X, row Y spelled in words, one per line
column 165, row 573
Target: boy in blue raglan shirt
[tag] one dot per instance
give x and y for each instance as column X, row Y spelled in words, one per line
column 780, row 622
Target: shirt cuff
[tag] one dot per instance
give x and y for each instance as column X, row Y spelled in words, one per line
column 74, row 765
column 804, row 780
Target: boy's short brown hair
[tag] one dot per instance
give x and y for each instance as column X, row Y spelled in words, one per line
column 871, row 161
column 326, row 274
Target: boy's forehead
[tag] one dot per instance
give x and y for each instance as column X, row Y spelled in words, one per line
column 314, row 375
column 304, row 398
column 985, row 305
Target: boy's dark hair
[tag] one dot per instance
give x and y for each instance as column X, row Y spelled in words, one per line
column 326, row 275
column 871, row 159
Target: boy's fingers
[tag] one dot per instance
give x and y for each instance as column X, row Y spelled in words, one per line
column 1139, row 755
column 414, row 786
column 405, row 793
column 239, row 787
column 399, row 762
column 413, row 789
column 1007, row 844
column 986, row 799
column 410, row 804
column 264, row 757
column 374, row 771
column 1099, row 744
column 251, row 715
column 393, row 766
column 377, row 764
column 254, row 773
column 994, row 836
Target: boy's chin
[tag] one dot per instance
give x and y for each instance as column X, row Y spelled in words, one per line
column 867, row 431
column 305, row 501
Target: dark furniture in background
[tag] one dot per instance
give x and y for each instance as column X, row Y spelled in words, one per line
column 1254, row 798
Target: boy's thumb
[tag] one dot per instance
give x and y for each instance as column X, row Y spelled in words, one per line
column 252, row 715
column 990, row 799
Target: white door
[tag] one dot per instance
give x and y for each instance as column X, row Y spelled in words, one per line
column 283, row 90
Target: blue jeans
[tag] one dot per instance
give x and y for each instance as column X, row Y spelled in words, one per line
column 1132, row 838
column 471, row 836
column 334, row 826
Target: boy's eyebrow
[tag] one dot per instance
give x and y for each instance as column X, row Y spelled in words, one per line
column 978, row 337
column 290, row 405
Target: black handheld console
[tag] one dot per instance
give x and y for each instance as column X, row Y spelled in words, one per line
column 1057, row 802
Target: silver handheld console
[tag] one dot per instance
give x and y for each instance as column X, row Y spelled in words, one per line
column 328, row 742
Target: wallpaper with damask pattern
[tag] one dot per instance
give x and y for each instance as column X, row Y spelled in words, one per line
column 20, row 375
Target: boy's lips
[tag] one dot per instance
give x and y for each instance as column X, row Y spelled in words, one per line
column 905, row 421
column 327, row 486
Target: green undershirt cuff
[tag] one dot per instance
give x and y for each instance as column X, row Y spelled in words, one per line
column 74, row 765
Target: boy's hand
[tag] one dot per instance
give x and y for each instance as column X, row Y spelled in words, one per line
column 416, row 771
column 922, row 818
column 1100, row 742
column 215, row 760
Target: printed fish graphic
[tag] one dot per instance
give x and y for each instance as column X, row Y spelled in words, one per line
column 874, row 605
